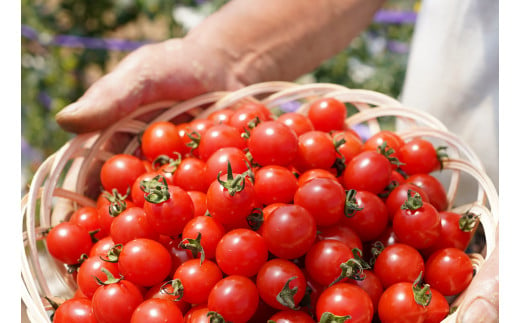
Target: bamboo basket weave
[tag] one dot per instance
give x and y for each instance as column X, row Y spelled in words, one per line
column 58, row 187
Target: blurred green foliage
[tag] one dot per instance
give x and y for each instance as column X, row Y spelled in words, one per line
column 53, row 76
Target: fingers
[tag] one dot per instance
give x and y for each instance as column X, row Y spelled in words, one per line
column 172, row 70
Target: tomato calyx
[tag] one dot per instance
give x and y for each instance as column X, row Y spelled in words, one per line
column 194, row 140
column 113, row 254
column 110, row 278
column 250, row 126
column 72, row 268
column 375, row 250
column 468, row 221
column 351, row 205
column 195, row 246
column 232, row 184
column 358, row 256
column 339, row 163
column 328, row 317
column 413, row 202
column 442, row 155
column 166, row 163
column 352, row 269
column 117, row 202
column 387, row 151
column 255, row 219
column 177, row 288
column 388, row 189
column 155, row 189
column 286, row 295
column 215, row 317
column 421, row 294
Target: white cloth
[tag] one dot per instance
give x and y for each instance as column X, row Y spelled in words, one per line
column 453, row 72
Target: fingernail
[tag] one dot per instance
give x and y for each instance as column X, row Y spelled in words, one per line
column 71, row 108
column 480, row 310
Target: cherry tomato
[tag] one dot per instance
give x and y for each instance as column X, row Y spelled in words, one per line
column 101, row 247
column 220, row 136
column 235, row 298
column 77, row 310
column 165, row 291
column 298, row 122
column 115, row 302
column 397, row 305
column 368, row 171
column 218, row 162
column 67, row 242
column 87, row 217
column 327, row 114
column 399, row 195
column 199, row 203
column 156, row 310
column 193, row 132
column 90, row 270
column 144, row 262
column 221, row 116
column 385, row 137
column 162, row 138
column 197, row 279
column 342, row 233
column 132, row 224
column 438, row 308
column 315, row 173
column 246, row 114
column 350, row 148
column 315, row 150
column 418, row 156
column 371, row 218
column 273, row 276
column 109, row 207
column 210, row 230
column 120, row 172
column 136, row 194
column 433, row 187
column 241, row 252
column 324, row 260
column 324, row 198
column 449, row 271
column 273, row 143
column 398, row 263
column 417, row 223
column 346, row 299
column 371, row 285
column 178, row 254
column 289, row 231
column 197, row 314
column 291, row 316
column 189, row 175
column 275, row 184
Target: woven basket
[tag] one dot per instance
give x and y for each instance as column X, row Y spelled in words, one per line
column 58, row 187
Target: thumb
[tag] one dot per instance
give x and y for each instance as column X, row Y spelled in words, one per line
column 169, row 71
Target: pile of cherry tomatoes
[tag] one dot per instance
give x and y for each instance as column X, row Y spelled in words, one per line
column 248, row 217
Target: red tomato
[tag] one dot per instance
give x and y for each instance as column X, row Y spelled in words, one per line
column 197, row 314
column 108, row 208
column 438, row 308
column 433, row 187
column 235, row 298
column 298, row 122
column 144, row 262
column 101, row 247
column 289, row 231
column 398, row 263
column 156, row 310
column 273, row 143
column 199, row 203
column 418, row 156
column 87, row 217
column 346, row 299
column 197, row 279
column 220, row 136
column 449, row 271
column 324, row 198
column 372, row 217
column 371, row 285
column 315, row 173
column 67, row 242
column 77, row 310
column 162, row 138
column 210, row 230
column 241, row 252
column 132, row 224
column 417, row 223
column 165, row 291
column 116, row 301
column 368, row 171
column 218, row 162
column 189, row 175
column 342, row 233
column 397, row 305
column 327, row 114
column 246, row 114
column 178, row 254
column 273, row 276
column 315, row 150
column 399, row 195
column 351, row 146
column 392, row 140
column 221, row 116
column 120, row 172
column 324, row 260
column 193, row 132
column 291, row 316
column 275, row 184
column 136, row 194
column 91, row 270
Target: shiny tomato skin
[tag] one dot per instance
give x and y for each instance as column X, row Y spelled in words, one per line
column 101, row 247
column 218, row 162
column 346, row 299
column 162, row 138
column 323, row 260
column 131, row 224
column 89, row 270
column 275, row 184
column 235, row 298
column 199, row 202
column 433, row 187
column 371, row 220
column 418, row 228
column 211, row 231
column 165, row 291
column 315, row 150
column 120, row 172
column 67, row 241
column 115, row 303
column 399, row 195
column 438, row 308
column 397, row 305
column 327, row 114
column 315, row 173
column 273, row 143
column 298, row 122
column 272, row 277
column 418, row 156
column 77, row 310
column 398, row 263
column 371, row 285
column 453, row 261
column 219, row 136
column 291, row 316
column 189, row 175
column 198, row 279
column 340, row 232
column 87, row 217
column 352, row 146
column 368, row 171
column 155, row 310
